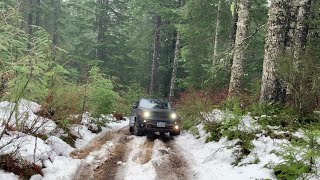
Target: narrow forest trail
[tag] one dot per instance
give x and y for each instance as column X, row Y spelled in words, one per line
column 120, row 155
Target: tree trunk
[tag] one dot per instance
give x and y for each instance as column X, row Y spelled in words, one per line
column 233, row 31
column 302, row 28
column 55, row 29
column 216, row 37
column 174, row 67
column 241, row 41
column 30, row 23
column 291, row 24
column 271, row 88
column 102, row 28
column 38, row 13
column 314, row 34
column 156, row 56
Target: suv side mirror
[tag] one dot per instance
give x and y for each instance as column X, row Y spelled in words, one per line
column 134, row 106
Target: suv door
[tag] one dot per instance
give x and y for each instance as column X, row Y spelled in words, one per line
column 133, row 113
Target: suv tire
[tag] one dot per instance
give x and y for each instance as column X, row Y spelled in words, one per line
column 136, row 129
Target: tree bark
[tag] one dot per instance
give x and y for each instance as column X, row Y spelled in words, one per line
column 235, row 86
column 55, row 29
column 291, row 26
column 271, row 88
column 30, row 23
column 233, row 31
column 174, row 67
column 38, row 13
column 102, row 28
column 302, row 28
column 216, row 36
column 156, row 56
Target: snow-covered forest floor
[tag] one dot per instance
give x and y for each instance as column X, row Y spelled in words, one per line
column 114, row 153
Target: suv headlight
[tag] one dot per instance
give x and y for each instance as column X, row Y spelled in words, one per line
column 146, row 114
column 173, row 116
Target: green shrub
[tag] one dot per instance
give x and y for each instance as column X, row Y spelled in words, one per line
column 301, row 77
column 258, row 109
column 102, row 98
column 190, row 106
column 299, row 157
column 290, row 170
column 215, row 131
column 189, row 123
column 132, row 95
column 67, row 100
column 195, row 131
column 234, row 105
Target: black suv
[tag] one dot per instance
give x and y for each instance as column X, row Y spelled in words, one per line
column 153, row 115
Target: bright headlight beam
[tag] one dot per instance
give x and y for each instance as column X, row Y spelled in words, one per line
column 146, row 114
column 173, row 115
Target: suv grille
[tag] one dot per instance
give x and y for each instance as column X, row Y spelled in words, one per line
column 160, row 115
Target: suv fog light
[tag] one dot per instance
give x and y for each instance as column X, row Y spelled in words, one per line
column 144, row 120
column 176, row 127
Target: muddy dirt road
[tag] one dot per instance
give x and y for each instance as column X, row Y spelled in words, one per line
column 120, row 155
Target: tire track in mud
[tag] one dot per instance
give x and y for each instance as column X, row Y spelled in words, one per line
column 173, row 166
column 95, row 145
column 104, row 155
column 109, row 169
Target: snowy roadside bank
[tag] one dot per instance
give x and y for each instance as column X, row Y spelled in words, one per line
column 41, row 142
column 214, row 160
column 268, row 148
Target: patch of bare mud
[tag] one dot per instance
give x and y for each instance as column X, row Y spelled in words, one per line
column 109, row 169
column 173, row 166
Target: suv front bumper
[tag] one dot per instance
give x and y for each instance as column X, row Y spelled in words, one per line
column 151, row 126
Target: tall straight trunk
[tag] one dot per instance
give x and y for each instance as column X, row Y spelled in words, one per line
column 216, row 36
column 156, row 56
column 38, row 13
column 271, row 88
column 30, row 23
column 174, row 67
column 233, row 31
column 291, row 24
column 302, row 28
column 300, row 42
column 102, row 28
column 313, row 34
column 241, row 41
column 55, row 29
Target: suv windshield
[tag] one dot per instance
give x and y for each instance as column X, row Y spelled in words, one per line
column 154, row 104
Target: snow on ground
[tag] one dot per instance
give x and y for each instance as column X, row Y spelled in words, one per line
column 213, row 160
column 59, row 146
column 26, row 146
column 25, row 116
column 86, row 136
column 53, row 153
column 135, row 170
column 8, row 176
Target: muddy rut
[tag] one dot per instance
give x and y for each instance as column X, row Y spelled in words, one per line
column 174, row 166
column 109, row 169
column 95, row 145
column 111, row 165
column 104, row 164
